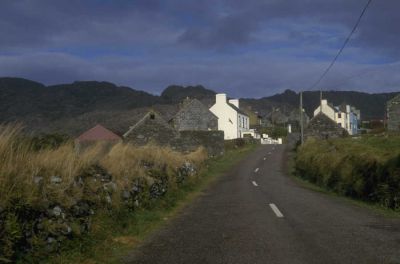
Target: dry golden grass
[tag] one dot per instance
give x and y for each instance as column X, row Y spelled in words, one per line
column 21, row 166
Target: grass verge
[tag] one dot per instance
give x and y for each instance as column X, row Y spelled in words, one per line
column 113, row 236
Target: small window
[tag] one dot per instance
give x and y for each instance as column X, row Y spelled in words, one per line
column 340, row 124
column 339, row 115
column 152, row 116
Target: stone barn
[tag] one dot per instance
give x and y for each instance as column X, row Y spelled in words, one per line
column 277, row 117
column 193, row 115
column 322, row 127
column 152, row 128
column 294, row 120
column 393, row 114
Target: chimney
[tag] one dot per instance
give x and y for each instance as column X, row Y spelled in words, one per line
column 220, row 98
column 235, row 102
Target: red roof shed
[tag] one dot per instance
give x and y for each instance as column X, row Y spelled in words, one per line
column 98, row 133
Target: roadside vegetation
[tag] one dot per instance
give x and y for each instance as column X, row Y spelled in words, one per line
column 63, row 206
column 365, row 168
column 275, row 132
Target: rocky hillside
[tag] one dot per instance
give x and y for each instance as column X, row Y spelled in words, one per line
column 72, row 108
column 176, row 93
column 21, row 97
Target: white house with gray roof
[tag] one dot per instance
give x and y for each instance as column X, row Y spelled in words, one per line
column 234, row 122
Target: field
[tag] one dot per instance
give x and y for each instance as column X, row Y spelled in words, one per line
column 365, row 168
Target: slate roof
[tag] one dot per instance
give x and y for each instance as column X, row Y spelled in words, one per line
column 185, row 104
column 98, row 133
column 237, row 109
column 149, row 115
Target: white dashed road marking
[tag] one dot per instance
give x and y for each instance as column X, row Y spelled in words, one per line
column 254, row 183
column 276, row 210
column 256, row 170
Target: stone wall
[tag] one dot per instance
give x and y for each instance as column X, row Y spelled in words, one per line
column 194, row 116
column 153, row 129
column 212, row 141
column 393, row 114
column 42, row 228
column 323, row 127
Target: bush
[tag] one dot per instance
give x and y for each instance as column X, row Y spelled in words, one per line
column 366, row 169
column 48, row 141
column 275, row 132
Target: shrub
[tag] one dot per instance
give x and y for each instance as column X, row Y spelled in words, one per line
column 48, row 141
column 367, row 168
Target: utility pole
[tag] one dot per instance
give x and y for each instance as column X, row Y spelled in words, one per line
column 320, row 100
column 301, row 119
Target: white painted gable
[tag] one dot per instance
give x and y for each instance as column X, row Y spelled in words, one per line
column 231, row 121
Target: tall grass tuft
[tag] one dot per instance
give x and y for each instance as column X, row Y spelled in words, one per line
column 47, row 194
column 27, row 173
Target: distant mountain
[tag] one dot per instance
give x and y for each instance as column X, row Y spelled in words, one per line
column 21, row 98
column 176, row 93
column 72, row 108
column 372, row 106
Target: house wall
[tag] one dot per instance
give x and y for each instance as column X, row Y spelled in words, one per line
column 195, row 116
column 353, row 124
column 243, row 124
column 347, row 119
column 326, row 109
column 227, row 117
column 321, row 126
column 393, row 114
column 341, row 119
column 212, row 141
column 152, row 129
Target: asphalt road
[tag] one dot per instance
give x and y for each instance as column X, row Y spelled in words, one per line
column 257, row 214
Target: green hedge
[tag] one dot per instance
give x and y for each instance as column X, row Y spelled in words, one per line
column 366, row 169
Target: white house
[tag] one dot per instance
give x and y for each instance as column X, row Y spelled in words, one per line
column 234, row 122
column 345, row 116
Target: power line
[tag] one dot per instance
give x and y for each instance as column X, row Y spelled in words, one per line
column 343, row 46
column 361, row 73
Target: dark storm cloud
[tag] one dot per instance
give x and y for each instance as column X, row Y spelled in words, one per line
column 214, row 23
column 263, row 46
column 244, row 18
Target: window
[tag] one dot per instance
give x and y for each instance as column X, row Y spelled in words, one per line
column 152, row 116
column 340, row 124
column 339, row 115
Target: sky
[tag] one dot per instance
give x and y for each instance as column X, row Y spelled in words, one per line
column 251, row 48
